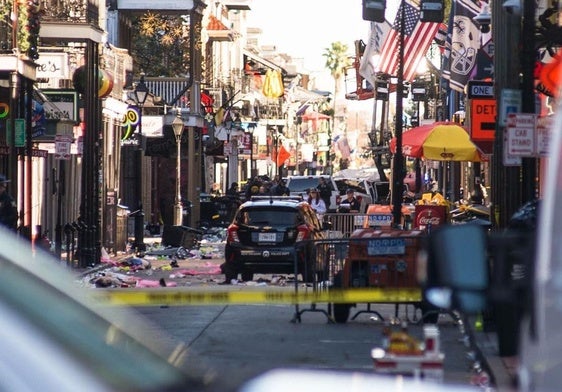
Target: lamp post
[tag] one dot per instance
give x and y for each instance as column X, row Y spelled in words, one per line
column 177, row 126
column 252, row 162
column 140, row 93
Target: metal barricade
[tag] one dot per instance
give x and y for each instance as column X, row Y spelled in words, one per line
column 345, row 223
column 381, row 264
column 324, row 259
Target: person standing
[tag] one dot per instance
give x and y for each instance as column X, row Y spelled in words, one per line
column 8, row 210
column 317, row 203
column 350, row 203
column 325, row 191
column 233, row 190
column 281, row 189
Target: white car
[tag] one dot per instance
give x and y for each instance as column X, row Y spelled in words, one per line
column 300, row 185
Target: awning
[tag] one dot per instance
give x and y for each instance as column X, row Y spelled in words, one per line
column 249, row 56
column 217, row 31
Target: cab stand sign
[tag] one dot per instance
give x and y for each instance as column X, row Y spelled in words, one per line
column 527, row 135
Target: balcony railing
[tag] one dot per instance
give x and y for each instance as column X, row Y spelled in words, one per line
column 72, row 11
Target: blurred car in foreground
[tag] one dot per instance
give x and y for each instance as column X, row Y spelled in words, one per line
column 55, row 338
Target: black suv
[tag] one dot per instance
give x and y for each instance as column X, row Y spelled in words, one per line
column 263, row 237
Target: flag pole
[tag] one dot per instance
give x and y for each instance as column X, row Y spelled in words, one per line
column 398, row 163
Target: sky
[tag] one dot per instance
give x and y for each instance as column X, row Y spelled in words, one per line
column 305, row 28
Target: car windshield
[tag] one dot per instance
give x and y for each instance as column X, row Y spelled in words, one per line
column 269, row 217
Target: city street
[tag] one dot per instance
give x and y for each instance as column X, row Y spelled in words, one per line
column 230, row 344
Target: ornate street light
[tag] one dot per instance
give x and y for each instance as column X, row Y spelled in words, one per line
column 177, row 126
column 140, row 93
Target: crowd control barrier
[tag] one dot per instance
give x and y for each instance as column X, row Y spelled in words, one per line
column 345, row 223
column 380, row 261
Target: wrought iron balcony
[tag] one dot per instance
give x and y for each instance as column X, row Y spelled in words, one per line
column 71, row 11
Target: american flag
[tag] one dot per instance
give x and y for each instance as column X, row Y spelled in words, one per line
column 417, row 38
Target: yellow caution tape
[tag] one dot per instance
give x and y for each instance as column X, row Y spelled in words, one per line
column 152, row 297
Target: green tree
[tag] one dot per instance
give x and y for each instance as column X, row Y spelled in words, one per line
column 337, row 60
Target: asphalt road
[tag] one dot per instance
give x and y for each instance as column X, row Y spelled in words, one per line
column 231, row 344
column 234, row 343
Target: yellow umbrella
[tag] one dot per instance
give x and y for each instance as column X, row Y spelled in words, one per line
column 440, row 141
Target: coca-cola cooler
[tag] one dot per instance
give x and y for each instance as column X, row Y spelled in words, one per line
column 430, row 215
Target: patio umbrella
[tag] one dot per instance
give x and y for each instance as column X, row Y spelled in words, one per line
column 439, row 141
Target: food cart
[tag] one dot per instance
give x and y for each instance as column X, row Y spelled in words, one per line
column 384, row 260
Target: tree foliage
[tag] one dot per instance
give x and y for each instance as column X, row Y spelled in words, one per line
column 337, row 59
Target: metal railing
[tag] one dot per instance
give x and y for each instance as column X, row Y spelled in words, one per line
column 345, row 223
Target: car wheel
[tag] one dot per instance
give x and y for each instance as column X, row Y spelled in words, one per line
column 247, row 276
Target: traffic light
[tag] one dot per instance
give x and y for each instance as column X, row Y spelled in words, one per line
column 431, row 11
column 373, row 10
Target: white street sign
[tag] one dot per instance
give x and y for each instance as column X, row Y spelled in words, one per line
column 508, row 159
column 544, row 126
column 521, row 134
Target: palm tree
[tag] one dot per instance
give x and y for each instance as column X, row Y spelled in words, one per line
column 337, row 60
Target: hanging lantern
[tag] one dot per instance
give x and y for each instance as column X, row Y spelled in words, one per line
column 105, row 81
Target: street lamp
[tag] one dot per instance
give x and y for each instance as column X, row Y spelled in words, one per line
column 177, row 126
column 140, row 93
column 253, row 171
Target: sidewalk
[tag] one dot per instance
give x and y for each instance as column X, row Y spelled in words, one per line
column 502, row 369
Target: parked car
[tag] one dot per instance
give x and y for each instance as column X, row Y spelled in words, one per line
column 299, row 186
column 263, row 235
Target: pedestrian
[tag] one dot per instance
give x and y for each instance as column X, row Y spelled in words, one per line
column 8, row 210
column 317, row 203
column 350, row 203
column 253, row 187
column 233, row 190
column 281, row 188
column 325, row 191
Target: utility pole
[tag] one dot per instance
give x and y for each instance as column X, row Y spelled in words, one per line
column 505, row 33
column 398, row 163
column 528, row 58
